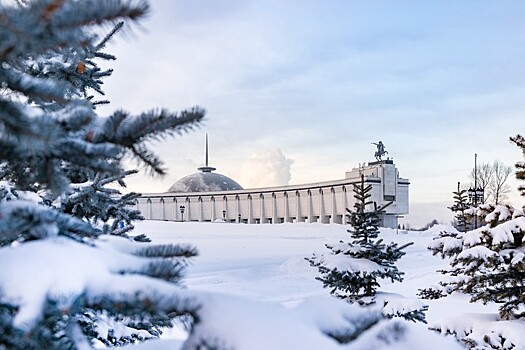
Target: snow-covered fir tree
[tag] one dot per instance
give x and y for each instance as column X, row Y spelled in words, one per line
column 52, row 141
column 519, row 140
column 488, row 262
column 353, row 269
column 459, row 208
column 486, row 254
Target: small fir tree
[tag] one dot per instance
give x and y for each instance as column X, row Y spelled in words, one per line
column 488, row 262
column 460, row 207
column 489, row 266
column 354, row 268
column 519, row 140
column 447, row 243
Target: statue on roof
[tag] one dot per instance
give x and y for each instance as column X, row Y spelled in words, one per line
column 380, row 150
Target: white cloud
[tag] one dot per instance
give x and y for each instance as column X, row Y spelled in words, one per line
column 266, row 169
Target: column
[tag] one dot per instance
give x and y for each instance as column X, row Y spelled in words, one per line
column 299, row 217
column 286, row 209
column 163, row 206
column 201, row 214
column 261, row 214
column 321, row 206
column 333, row 219
column 213, row 217
column 310, row 209
column 250, row 209
column 149, row 205
column 344, row 204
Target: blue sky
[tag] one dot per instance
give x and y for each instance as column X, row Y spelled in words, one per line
column 436, row 81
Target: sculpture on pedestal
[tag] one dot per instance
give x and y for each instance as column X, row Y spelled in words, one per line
column 380, row 150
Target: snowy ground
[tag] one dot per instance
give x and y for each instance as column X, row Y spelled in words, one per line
column 266, row 263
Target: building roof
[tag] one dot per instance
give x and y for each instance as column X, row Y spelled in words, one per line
column 205, row 181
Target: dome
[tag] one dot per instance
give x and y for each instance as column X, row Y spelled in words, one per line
column 205, row 182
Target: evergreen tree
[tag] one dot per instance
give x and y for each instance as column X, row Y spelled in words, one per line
column 490, row 265
column 448, row 244
column 488, row 262
column 354, row 268
column 92, row 201
column 520, row 166
column 52, row 141
column 460, row 207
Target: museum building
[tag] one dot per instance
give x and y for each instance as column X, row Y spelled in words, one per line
column 210, row 196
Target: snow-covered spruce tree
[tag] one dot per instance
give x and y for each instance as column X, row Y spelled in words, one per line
column 96, row 203
column 519, row 140
column 51, row 140
column 450, row 244
column 87, row 197
column 490, row 268
column 353, row 269
column 469, row 250
column 487, row 262
column 447, row 243
column 459, row 208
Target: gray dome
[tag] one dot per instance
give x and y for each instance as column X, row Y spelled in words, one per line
column 205, row 181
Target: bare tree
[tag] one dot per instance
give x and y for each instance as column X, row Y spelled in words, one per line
column 499, row 187
column 482, row 179
column 492, row 178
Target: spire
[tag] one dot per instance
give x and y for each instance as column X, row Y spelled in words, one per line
column 206, row 168
column 206, row 163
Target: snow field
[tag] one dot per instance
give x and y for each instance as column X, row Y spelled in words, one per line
column 265, row 263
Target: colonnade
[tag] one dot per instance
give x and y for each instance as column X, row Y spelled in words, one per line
column 325, row 205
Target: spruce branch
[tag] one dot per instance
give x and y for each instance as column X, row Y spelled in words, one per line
column 105, row 40
column 132, row 133
column 168, row 251
column 98, row 12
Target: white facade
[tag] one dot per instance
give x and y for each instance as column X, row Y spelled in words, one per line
column 323, row 202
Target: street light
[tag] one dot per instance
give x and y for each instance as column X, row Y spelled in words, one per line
column 480, row 195
column 182, row 212
column 224, row 215
column 471, row 195
column 477, row 194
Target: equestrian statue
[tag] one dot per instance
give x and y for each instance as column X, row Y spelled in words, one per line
column 380, row 150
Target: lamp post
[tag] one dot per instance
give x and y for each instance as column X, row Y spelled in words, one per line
column 476, row 194
column 471, row 194
column 480, row 194
column 182, row 212
column 475, row 179
column 224, row 215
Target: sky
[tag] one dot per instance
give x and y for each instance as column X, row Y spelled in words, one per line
column 296, row 91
